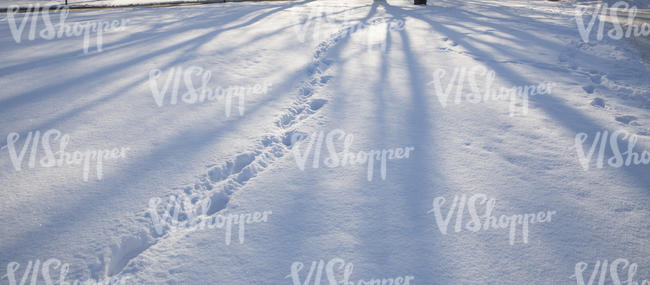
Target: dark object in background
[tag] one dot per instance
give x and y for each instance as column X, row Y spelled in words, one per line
column 420, row 2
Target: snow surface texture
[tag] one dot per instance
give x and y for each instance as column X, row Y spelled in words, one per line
column 642, row 4
column 380, row 93
column 109, row 3
column 90, row 3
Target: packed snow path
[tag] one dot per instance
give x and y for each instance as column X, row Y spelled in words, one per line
column 354, row 73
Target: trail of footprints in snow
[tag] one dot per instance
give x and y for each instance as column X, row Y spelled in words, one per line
column 595, row 78
column 599, row 80
column 220, row 182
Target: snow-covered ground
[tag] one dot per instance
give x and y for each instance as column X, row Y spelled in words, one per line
column 321, row 77
column 87, row 3
column 641, row 4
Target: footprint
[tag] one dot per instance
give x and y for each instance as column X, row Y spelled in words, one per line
column 306, row 91
column 291, row 137
column 218, row 202
column 626, row 119
column 597, row 79
column 317, row 104
column 222, row 172
column 598, row 102
column 589, row 88
column 325, row 79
